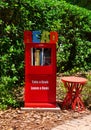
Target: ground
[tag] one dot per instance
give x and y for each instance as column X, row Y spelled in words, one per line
column 16, row 119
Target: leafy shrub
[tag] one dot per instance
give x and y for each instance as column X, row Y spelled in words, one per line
column 72, row 23
column 81, row 3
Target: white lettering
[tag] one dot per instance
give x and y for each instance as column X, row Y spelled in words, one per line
column 34, row 88
column 34, row 82
column 40, row 82
column 40, row 88
column 45, row 88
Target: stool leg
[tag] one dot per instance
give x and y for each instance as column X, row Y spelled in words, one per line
column 67, row 101
column 78, row 104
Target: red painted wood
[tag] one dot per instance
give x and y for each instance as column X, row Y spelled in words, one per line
column 74, row 86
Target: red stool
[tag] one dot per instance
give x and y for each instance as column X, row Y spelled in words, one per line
column 74, row 87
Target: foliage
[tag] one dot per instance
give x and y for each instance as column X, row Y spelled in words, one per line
column 12, row 52
column 81, row 3
column 72, row 23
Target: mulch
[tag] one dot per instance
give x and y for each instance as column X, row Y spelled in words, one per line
column 17, row 119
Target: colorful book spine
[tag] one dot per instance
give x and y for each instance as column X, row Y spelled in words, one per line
column 37, row 57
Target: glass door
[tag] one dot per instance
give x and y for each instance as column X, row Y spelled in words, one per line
column 41, row 56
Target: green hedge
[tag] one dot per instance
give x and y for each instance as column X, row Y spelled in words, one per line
column 82, row 3
column 72, row 23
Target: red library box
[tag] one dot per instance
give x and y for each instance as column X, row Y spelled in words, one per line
column 40, row 74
